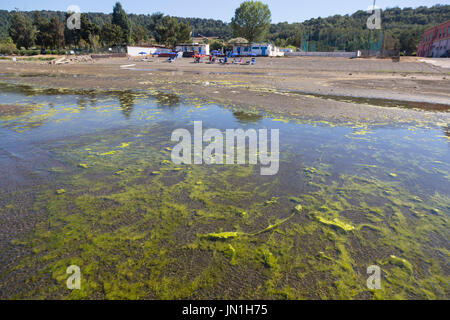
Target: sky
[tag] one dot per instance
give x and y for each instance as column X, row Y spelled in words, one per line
column 282, row 10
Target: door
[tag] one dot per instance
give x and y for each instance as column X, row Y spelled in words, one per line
column 264, row 50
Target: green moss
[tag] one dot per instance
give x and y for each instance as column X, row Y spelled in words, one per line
column 268, row 259
column 336, row 223
column 61, row 191
column 400, row 262
column 221, row 236
column 138, row 225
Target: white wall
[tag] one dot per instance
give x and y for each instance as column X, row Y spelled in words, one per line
column 134, row 51
column 201, row 48
column 440, row 47
column 322, row 54
column 271, row 51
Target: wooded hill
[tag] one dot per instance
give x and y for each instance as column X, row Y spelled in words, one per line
column 402, row 28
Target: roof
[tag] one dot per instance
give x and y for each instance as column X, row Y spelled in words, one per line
column 192, row 44
column 437, row 26
column 148, row 46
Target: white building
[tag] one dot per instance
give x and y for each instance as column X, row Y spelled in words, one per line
column 146, row 50
column 200, row 48
column 259, row 49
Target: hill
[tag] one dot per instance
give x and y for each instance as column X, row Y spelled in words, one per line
column 402, row 28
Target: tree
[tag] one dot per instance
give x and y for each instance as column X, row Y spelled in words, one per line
column 171, row 32
column 139, row 34
column 184, row 32
column 251, row 21
column 42, row 26
column 216, row 45
column 111, row 34
column 56, row 33
column 120, row 18
column 89, row 31
column 7, row 46
column 409, row 40
column 22, row 30
column 86, row 36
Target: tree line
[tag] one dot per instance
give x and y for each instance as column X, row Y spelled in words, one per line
column 49, row 30
column 402, row 28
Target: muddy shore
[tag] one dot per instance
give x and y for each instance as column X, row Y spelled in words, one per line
column 328, row 89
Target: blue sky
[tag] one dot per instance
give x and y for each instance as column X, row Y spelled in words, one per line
column 282, row 10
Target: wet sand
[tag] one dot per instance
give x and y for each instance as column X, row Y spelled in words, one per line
column 273, row 84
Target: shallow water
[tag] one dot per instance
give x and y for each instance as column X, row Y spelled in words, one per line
column 86, row 179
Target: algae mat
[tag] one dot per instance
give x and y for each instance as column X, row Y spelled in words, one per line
column 86, row 179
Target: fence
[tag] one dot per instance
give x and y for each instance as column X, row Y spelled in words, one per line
column 322, row 54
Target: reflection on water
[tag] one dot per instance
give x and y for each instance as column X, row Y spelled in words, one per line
column 167, row 100
column 86, row 179
column 126, row 100
column 245, row 117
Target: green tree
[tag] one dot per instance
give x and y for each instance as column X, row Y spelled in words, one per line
column 89, row 31
column 42, row 26
column 56, row 33
column 216, row 45
column 111, row 34
column 120, row 18
column 184, row 32
column 22, row 30
column 251, row 21
column 409, row 40
column 170, row 32
column 139, row 34
column 86, row 36
column 7, row 46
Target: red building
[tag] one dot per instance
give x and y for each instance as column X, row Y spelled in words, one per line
column 435, row 42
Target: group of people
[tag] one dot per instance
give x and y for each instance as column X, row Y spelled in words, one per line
column 212, row 59
column 237, row 61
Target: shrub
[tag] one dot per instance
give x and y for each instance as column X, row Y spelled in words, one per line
column 7, row 47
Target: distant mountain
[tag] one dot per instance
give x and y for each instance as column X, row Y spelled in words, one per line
column 401, row 27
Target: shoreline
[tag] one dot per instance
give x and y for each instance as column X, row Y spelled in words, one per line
column 310, row 88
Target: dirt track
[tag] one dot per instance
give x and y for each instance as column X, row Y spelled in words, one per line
column 273, row 83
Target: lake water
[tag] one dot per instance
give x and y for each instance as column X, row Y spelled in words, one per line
column 86, row 179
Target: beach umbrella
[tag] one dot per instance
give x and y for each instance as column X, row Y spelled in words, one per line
column 142, row 52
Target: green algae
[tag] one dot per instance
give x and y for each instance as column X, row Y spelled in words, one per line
column 221, row 236
column 142, row 228
column 336, row 223
column 400, row 262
